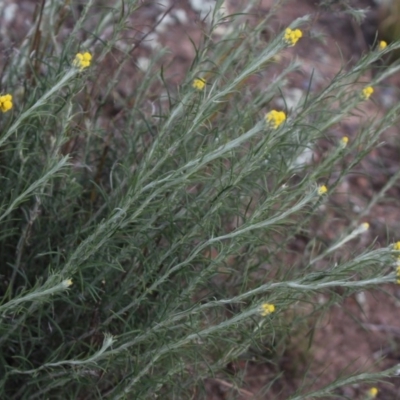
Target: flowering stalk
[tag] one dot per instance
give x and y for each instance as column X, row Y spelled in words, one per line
column 37, row 294
column 57, row 87
column 361, row 229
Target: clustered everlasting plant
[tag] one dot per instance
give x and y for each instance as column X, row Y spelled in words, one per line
column 267, row 309
column 367, row 92
column 322, row 190
column 382, row 45
column 292, row 36
column 373, row 392
column 275, row 118
column 82, row 60
column 6, row 103
column 344, row 141
column 199, row 83
column 142, row 256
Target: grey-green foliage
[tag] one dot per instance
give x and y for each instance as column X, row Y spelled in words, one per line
column 182, row 236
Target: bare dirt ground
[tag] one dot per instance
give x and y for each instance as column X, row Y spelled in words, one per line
column 363, row 333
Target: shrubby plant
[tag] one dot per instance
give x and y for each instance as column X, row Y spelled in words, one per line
column 140, row 259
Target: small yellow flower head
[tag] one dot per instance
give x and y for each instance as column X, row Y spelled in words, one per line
column 322, row 190
column 199, row 83
column 267, row 309
column 6, row 103
column 343, row 141
column 275, row 118
column 82, row 60
column 364, row 226
column 67, row 283
column 373, row 392
column 396, row 246
column 291, row 37
column 382, row 44
column 366, row 92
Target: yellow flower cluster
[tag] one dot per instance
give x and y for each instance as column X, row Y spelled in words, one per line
column 6, row 103
column 199, row 83
column 373, row 392
column 382, row 45
column 266, row 309
column 364, row 226
column 366, row 92
column 344, row 140
column 291, row 37
column 322, row 190
column 275, row 118
column 82, row 60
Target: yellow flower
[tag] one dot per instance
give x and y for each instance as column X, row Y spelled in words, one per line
column 292, row 36
column 373, row 392
column 396, row 246
column 199, row 83
column 365, row 226
column 366, row 92
column 82, row 60
column 343, row 141
column 382, row 45
column 267, row 309
column 322, row 190
column 275, row 118
column 6, row 103
column 67, row 283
